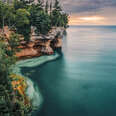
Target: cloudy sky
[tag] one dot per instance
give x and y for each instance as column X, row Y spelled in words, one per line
column 90, row 12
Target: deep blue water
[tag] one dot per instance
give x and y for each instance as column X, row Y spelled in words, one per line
column 83, row 81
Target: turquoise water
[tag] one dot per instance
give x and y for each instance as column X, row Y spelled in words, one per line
column 82, row 82
column 32, row 90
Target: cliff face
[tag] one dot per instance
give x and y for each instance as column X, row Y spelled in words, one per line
column 13, row 99
column 38, row 44
column 42, row 44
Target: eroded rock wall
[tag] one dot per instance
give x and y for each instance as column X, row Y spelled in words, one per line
column 42, row 44
column 39, row 44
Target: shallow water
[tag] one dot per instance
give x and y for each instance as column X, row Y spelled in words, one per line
column 32, row 90
column 83, row 81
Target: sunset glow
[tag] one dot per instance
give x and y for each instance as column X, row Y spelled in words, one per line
column 91, row 18
column 87, row 20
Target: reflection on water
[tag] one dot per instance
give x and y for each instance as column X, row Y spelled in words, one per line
column 83, row 81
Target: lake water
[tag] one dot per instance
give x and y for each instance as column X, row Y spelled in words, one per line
column 82, row 82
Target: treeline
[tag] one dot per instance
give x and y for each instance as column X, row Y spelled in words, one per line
column 22, row 15
column 11, row 102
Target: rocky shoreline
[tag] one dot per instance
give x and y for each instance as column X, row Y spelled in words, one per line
column 42, row 44
column 39, row 45
column 32, row 91
column 43, row 48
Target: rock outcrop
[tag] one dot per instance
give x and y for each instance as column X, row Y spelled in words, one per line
column 42, row 44
column 13, row 99
column 39, row 44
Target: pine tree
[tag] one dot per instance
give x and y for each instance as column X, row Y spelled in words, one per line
column 57, row 6
column 59, row 19
column 50, row 7
column 46, row 6
column 40, row 3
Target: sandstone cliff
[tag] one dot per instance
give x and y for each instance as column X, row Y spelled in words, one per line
column 42, row 44
column 38, row 44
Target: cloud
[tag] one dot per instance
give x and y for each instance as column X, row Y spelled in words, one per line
column 80, row 8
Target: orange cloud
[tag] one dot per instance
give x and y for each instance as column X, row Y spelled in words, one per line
column 87, row 20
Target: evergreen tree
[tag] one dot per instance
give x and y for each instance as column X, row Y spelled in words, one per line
column 46, row 6
column 23, row 23
column 6, row 60
column 57, row 6
column 58, row 18
column 4, row 11
column 42, row 23
column 19, row 4
column 50, row 8
column 21, row 15
column 40, row 3
column 9, row 103
column 40, row 18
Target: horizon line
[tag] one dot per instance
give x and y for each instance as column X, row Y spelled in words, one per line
column 92, row 25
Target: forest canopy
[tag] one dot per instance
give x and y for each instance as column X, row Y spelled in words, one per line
column 21, row 15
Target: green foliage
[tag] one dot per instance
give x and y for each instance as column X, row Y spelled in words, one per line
column 7, row 95
column 34, row 9
column 64, row 20
column 7, row 58
column 40, row 3
column 23, row 23
column 19, row 4
column 46, row 6
column 9, row 48
column 21, row 15
column 57, row 6
column 40, row 18
column 3, row 13
column 4, row 62
column 42, row 23
column 13, row 43
column 50, row 8
column 55, row 17
column 58, row 18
